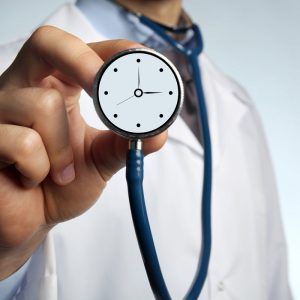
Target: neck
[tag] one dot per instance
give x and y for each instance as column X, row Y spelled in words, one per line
column 166, row 12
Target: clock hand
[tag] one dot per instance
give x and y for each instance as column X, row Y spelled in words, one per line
column 139, row 77
column 125, row 100
column 152, row 92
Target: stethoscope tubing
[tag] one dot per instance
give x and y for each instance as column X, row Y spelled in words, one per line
column 134, row 175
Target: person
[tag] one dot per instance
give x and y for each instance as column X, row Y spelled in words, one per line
column 56, row 158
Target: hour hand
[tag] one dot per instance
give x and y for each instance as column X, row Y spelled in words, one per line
column 152, row 92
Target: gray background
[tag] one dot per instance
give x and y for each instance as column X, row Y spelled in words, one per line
column 258, row 43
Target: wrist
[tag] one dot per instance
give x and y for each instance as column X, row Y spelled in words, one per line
column 12, row 259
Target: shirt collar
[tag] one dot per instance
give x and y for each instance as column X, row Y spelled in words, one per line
column 115, row 22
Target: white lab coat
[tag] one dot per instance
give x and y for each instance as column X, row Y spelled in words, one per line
column 96, row 256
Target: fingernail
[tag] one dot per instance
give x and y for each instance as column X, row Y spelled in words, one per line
column 68, row 174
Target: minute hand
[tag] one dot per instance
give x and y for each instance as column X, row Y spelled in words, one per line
column 125, row 100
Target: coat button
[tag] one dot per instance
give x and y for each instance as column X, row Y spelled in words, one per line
column 221, row 286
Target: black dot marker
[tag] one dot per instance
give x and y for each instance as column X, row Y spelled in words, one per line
column 115, row 115
column 138, row 125
column 106, row 93
column 138, row 60
column 161, row 115
column 115, row 70
column 170, row 93
column 161, row 69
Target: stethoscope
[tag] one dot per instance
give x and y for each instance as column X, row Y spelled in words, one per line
column 134, row 166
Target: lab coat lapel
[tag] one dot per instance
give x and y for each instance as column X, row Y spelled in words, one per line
column 225, row 109
column 220, row 97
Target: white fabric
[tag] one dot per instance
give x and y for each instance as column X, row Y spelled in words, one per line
column 96, row 256
column 10, row 286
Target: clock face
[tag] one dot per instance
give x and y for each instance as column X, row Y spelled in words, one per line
column 138, row 93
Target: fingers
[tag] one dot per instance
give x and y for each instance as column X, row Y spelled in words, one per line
column 24, row 148
column 44, row 111
column 106, row 49
column 50, row 49
column 110, row 150
column 60, row 59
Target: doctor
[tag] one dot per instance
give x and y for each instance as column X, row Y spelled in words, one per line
column 57, row 241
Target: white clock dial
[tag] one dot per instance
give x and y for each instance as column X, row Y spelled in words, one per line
column 138, row 93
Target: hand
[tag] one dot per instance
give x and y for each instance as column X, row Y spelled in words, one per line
column 125, row 100
column 139, row 78
column 152, row 92
column 53, row 166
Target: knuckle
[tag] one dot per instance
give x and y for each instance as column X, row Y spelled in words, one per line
column 28, row 143
column 51, row 102
column 40, row 33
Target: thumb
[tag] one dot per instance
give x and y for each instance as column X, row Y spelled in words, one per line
column 109, row 151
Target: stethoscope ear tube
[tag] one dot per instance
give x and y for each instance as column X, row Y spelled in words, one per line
column 134, row 176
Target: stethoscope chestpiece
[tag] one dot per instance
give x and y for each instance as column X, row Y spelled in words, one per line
column 138, row 93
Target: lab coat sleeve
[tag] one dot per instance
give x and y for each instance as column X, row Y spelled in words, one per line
column 276, row 263
column 40, row 281
column 11, row 285
column 37, row 278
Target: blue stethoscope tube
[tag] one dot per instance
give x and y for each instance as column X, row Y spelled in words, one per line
column 134, row 175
